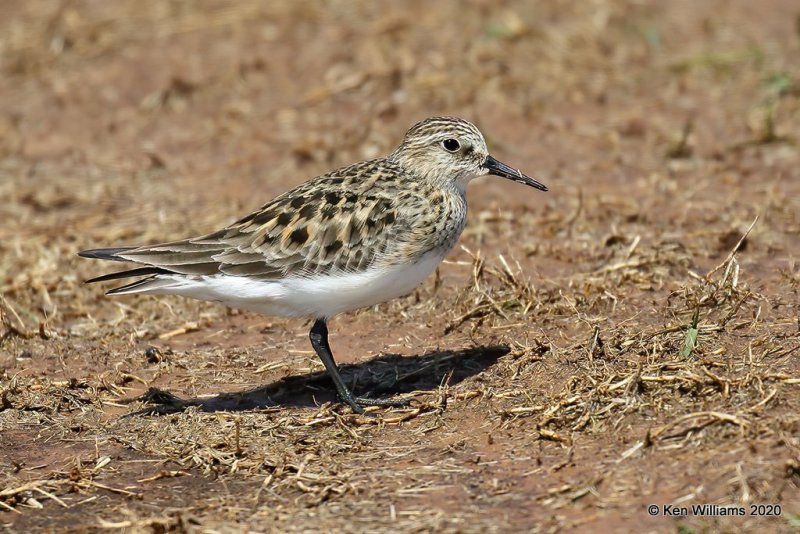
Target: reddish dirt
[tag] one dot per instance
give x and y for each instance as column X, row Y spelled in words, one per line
column 544, row 360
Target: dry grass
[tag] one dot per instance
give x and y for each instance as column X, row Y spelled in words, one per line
column 631, row 337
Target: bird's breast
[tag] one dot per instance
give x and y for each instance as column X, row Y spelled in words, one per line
column 448, row 216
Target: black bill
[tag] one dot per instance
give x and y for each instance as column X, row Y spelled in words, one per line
column 499, row 168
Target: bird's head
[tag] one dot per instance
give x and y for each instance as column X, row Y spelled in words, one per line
column 452, row 150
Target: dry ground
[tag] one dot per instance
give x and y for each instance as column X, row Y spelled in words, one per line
column 553, row 388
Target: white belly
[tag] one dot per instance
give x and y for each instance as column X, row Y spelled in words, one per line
column 316, row 297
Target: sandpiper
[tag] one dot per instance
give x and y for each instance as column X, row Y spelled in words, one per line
column 345, row 240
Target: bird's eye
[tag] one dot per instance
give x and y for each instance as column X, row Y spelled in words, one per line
column 451, row 145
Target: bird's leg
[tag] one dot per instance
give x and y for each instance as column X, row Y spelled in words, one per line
column 319, row 340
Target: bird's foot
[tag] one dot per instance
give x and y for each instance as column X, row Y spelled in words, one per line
column 394, row 403
column 357, row 404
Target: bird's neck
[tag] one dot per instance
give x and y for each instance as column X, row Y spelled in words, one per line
column 428, row 174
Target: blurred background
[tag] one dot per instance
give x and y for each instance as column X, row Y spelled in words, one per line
column 661, row 128
column 244, row 98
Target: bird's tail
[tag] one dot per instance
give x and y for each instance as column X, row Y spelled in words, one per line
column 145, row 285
column 105, row 253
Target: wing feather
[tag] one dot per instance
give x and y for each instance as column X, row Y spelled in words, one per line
column 319, row 226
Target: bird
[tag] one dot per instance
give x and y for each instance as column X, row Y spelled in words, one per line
column 349, row 239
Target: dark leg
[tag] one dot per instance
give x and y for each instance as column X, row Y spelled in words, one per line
column 319, row 340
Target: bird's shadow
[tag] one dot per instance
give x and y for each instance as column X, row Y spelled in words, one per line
column 382, row 376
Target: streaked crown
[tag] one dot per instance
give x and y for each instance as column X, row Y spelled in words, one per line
column 443, row 150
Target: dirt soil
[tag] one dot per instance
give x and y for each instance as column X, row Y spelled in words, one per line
column 554, row 383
